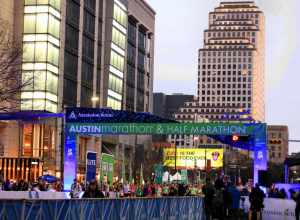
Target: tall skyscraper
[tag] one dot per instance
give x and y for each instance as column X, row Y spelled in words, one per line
column 77, row 54
column 231, row 62
column 230, row 70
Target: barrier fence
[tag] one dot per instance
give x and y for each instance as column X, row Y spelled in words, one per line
column 189, row 208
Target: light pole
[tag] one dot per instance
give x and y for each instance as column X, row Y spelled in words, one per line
column 94, row 100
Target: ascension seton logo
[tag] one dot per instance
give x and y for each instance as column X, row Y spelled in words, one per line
column 72, row 115
column 215, row 155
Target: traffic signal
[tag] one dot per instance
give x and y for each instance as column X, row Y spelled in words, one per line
column 235, row 138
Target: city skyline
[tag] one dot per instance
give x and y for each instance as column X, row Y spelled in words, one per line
column 176, row 67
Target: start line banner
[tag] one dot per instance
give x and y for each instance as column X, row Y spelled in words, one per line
column 160, row 128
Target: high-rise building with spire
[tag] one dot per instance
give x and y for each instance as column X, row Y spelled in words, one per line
column 230, row 70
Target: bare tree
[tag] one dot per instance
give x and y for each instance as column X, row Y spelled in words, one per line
column 11, row 82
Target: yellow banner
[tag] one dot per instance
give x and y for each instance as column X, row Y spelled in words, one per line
column 193, row 158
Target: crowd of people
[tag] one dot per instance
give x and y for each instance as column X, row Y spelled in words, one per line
column 222, row 199
column 122, row 190
column 39, row 185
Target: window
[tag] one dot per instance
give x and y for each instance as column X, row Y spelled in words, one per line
column 120, row 15
column 29, row 23
column 53, row 54
column 28, row 52
column 115, row 83
column 52, row 81
column 117, row 61
column 89, row 23
column 41, row 23
column 39, row 80
column 53, row 26
column 113, row 103
column 118, row 38
column 88, row 48
column 40, row 51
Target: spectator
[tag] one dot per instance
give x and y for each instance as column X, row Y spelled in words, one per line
column 256, row 199
column 40, row 186
column 139, row 192
column 235, row 201
column 75, row 189
column 209, row 192
column 58, row 186
column 296, row 197
column 22, row 186
column 282, row 194
column 165, row 190
column 181, row 190
column 93, row 191
column 146, row 189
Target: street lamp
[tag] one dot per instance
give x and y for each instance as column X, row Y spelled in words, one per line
column 94, row 100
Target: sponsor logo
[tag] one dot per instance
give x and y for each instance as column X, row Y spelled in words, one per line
column 72, row 115
column 215, row 155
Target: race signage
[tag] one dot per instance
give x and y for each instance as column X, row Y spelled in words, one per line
column 193, row 158
column 160, row 128
column 91, row 166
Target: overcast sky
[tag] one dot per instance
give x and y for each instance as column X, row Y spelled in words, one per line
column 179, row 35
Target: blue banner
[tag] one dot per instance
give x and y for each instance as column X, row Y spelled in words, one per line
column 91, row 158
column 175, row 208
column 69, row 160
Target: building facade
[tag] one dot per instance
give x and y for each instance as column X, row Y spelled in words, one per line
column 77, row 54
column 230, row 68
column 278, row 143
column 166, row 106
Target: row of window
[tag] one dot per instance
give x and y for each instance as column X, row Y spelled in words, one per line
column 113, row 103
column 233, row 99
column 218, row 92
column 120, row 16
column 54, row 3
column 235, row 16
column 229, row 86
column 226, row 73
column 38, row 104
column 210, row 116
column 226, row 53
column 115, row 83
column 209, row 110
column 40, row 80
column 231, row 28
column 41, row 23
column 231, row 34
column 40, row 52
column 118, row 38
column 228, row 60
column 228, row 67
column 224, row 79
column 117, row 61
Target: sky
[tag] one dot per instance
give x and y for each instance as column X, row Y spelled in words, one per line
column 179, row 34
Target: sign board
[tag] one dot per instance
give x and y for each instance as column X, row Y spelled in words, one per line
column 184, row 176
column 159, row 171
column 107, row 168
column 93, row 121
column 91, row 158
column 159, row 128
column 193, row 158
column 275, row 209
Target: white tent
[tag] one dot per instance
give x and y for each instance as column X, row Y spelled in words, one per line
column 165, row 178
column 176, row 177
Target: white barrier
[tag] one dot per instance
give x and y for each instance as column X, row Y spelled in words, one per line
column 275, row 209
column 33, row 195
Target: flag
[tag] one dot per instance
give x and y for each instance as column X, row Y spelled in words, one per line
column 123, row 172
column 141, row 175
